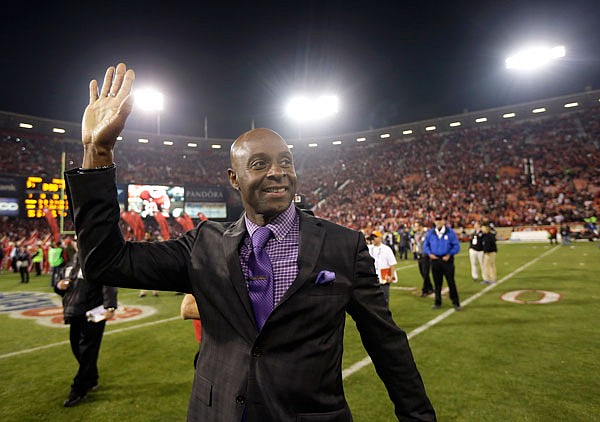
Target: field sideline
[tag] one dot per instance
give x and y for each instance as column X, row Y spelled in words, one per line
column 495, row 361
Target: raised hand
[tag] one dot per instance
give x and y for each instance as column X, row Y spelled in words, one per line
column 104, row 117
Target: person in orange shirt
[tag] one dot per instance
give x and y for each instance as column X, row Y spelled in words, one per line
column 385, row 263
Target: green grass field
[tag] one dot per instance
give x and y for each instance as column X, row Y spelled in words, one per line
column 495, row 361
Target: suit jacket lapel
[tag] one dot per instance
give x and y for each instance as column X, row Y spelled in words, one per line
column 312, row 235
column 232, row 238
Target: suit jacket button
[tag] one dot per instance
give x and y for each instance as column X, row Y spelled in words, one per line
column 257, row 352
column 240, row 399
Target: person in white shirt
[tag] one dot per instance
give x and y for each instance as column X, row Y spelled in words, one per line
column 385, row 263
column 476, row 252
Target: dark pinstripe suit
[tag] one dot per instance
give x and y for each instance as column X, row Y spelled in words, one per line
column 291, row 369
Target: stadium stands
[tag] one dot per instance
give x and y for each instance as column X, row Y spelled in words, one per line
column 469, row 174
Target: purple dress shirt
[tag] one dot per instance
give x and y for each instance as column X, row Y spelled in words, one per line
column 282, row 249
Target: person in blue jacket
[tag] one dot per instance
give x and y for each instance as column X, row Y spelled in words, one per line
column 441, row 244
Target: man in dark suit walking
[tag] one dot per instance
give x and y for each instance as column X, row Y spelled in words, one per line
column 273, row 288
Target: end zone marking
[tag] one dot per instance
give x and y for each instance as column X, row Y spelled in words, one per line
column 367, row 361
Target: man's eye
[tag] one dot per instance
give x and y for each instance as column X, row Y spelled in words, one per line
column 287, row 163
column 258, row 164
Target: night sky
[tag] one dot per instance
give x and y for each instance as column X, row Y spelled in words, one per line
column 389, row 62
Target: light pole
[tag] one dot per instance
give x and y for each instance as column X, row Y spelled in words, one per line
column 150, row 100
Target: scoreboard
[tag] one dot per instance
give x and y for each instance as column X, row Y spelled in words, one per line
column 30, row 197
column 43, row 194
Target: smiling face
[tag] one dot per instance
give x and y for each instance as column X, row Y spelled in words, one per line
column 262, row 169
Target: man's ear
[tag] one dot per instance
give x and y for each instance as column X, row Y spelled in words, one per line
column 233, row 179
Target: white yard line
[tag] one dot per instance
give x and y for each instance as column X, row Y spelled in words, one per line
column 106, row 333
column 367, row 361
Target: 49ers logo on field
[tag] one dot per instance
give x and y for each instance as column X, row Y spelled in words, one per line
column 45, row 309
column 531, row 297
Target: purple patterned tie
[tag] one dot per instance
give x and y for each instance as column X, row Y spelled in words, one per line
column 260, row 281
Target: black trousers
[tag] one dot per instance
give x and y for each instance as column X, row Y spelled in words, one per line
column 386, row 292
column 55, row 275
column 85, row 343
column 439, row 270
column 424, row 267
column 24, row 274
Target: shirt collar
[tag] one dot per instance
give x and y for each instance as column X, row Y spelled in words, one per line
column 280, row 225
column 440, row 233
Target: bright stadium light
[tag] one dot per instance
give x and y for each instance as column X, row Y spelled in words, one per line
column 149, row 99
column 303, row 108
column 534, row 57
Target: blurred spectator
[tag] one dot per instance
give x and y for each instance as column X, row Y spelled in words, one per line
column 565, row 234
column 23, row 261
column 552, row 233
column 441, row 244
column 385, row 263
column 404, row 242
column 476, row 252
column 56, row 260
column 423, row 258
column 488, row 241
column 37, row 258
column 79, row 300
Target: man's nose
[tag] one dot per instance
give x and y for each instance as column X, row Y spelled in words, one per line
column 276, row 171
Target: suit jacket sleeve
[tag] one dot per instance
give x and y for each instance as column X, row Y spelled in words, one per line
column 105, row 257
column 387, row 344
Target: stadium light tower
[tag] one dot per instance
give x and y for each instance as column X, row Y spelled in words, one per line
column 534, row 57
column 149, row 99
column 304, row 109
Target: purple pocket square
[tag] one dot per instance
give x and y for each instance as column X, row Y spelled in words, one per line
column 325, row 277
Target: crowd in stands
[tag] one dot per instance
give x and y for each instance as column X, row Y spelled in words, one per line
column 469, row 174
